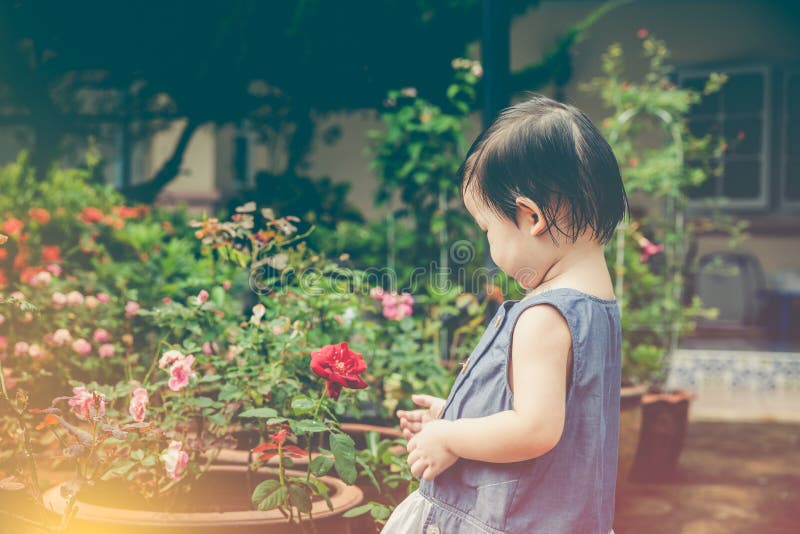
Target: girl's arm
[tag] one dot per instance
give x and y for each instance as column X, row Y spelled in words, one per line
column 541, row 350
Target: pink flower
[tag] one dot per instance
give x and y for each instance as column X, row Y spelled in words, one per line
column 74, row 298
column 376, row 293
column 87, row 404
column 101, row 335
column 59, row 299
column 17, row 295
column 91, row 302
column 54, row 269
column 82, row 347
column 10, row 381
column 395, row 306
column 41, row 279
column 21, row 348
column 202, row 296
column 61, row 336
column 642, row 33
column 131, row 308
column 180, row 373
column 35, row 351
column 226, row 285
column 209, row 348
column 648, row 249
column 103, row 298
column 138, row 405
column 170, row 357
column 2, row 318
column 106, row 350
column 175, row 460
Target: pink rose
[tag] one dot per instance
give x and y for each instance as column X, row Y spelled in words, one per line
column 106, row 350
column 54, row 269
column 35, row 351
column 175, row 460
column 376, row 293
column 202, row 296
column 41, row 279
column 21, row 348
column 59, row 299
column 180, row 373
column 138, row 406
column 91, row 302
column 18, row 295
column 61, row 336
column 74, row 298
column 103, row 298
column 170, row 357
column 82, row 347
column 87, row 404
column 131, row 308
column 101, row 335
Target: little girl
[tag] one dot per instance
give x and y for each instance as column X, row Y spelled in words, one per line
column 526, row 442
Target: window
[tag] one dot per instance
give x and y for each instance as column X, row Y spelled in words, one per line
column 790, row 148
column 740, row 113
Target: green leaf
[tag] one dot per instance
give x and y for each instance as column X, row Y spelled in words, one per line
column 300, row 498
column 202, row 402
column 308, row 426
column 358, row 510
column 264, row 489
column 261, row 413
column 320, row 465
column 210, row 378
column 344, row 453
column 302, row 404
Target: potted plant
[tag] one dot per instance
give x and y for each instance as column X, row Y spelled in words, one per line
column 649, row 258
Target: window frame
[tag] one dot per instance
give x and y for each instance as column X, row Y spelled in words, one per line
column 784, row 203
column 763, row 203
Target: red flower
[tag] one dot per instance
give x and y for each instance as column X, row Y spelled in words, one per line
column 642, row 33
column 51, row 254
column 40, row 215
column 12, row 226
column 340, row 366
column 741, row 136
column 90, row 215
column 269, row 450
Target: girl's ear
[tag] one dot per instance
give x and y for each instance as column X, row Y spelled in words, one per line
column 529, row 213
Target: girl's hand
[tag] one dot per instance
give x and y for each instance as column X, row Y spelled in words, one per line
column 429, row 455
column 413, row 421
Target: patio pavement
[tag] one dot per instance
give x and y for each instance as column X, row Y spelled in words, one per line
column 739, row 472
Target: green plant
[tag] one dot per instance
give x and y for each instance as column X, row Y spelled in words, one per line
column 660, row 161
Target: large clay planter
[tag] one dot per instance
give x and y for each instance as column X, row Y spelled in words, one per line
column 665, row 418
column 630, row 422
column 219, row 503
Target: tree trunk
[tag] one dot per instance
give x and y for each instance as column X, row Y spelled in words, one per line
column 148, row 191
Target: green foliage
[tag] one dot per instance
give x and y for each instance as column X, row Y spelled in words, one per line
column 660, row 162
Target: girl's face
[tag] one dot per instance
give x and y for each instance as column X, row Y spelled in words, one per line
column 516, row 249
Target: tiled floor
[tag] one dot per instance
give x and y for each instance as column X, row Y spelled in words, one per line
column 729, row 405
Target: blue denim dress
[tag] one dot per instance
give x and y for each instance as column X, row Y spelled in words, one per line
column 568, row 490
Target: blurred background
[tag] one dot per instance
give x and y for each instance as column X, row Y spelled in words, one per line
column 354, row 115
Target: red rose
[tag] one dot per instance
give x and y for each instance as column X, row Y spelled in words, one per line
column 40, row 215
column 90, row 215
column 642, row 33
column 51, row 254
column 12, row 226
column 340, row 366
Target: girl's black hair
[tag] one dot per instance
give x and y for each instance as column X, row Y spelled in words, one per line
column 551, row 153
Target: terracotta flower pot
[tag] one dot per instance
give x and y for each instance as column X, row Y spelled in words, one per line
column 218, row 502
column 630, row 422
column 665, row 418
column 354, row 430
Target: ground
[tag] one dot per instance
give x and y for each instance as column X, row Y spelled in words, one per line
column 733, row 477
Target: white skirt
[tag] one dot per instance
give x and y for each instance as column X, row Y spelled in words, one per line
column 410, row 515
